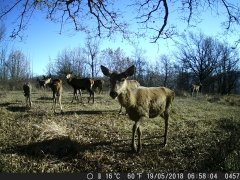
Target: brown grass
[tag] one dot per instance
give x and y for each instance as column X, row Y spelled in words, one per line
column 203, row 136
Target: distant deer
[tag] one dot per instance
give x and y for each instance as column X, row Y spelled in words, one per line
column 56, row 86
column 80, row 84
column 131, row 85
column 27, row 88
column 140, row 103
column 195, row 89
column 98, row 84
column 44, row 81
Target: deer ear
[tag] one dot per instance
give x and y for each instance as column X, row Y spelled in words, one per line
column 105, row 71
column 130, row 71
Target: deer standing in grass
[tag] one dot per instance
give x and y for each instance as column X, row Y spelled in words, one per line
column 56, row 86
column 27, row 88
column 140, row 103
column 195, row 89
column 80, row 84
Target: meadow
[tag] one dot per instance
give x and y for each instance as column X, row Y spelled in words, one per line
column 204, row 136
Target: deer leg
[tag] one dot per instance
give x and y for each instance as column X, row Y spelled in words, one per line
column 26, row 101
column 120, row 111
column 139, row 131
column 80, row 94
column 93, row 96
column 30, row 102
column 60, row 102
column 166, row 116
column 74, row 95
column 136, row 128
column 54, row 102
column 133, row 137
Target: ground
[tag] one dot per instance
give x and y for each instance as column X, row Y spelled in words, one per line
column 204, row 136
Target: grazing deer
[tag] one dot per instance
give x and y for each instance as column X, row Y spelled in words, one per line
column 195, row 89
column 98, row 84
column 131, row 85
column 140, row 103
column 80, row 84
column 27, row 88
column 56, row 86
column 43, row 82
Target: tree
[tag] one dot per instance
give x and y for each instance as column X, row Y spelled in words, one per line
column 208, row 61
column 116, row 59
column 92, row 50
column 227, row 70
column 141, row 64
column 200, row 55
column 18, row 66
column 105, row 18
column 167, row 68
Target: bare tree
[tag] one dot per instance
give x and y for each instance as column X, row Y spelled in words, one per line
column 2, row 32
column 3, row 64
column 227, row 70
column 69, row 60
column 208, row 61
column 141, row 65
column 92, row 51
column 104, row 18
column 116, row 59
column 18, row 66
column 199, row 54
column 167, row 69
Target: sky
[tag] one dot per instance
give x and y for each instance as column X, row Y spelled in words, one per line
column 42, row 40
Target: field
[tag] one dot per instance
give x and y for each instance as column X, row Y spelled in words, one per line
column 204, row 136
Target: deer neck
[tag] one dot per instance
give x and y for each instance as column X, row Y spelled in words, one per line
column 126, row 98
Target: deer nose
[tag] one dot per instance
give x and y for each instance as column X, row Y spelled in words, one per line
column 113, row 94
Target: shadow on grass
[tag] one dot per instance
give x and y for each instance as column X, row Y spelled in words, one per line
column 60, row 148
column 4, row 104
column 17, row 108
column 66, row 148
column 226, row 155
column 44, row 98
column 85, row 112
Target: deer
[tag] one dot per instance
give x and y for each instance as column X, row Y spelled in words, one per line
column 131, row 84
column 141, row 103
column 43, row 82
column 196, row 88
column 27, row 88
column 57, row 88
column 98, row 84
column 80, row 84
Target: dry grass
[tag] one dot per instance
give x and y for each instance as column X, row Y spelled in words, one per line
column 204, row 136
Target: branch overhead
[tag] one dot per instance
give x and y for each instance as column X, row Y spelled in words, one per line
column 151, row 19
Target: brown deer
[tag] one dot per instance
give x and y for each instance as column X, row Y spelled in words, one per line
column 196, row 88
column 140, row 103
column 98, row 84
column 80, row 84
column 56, row 86
column 44, row 81
column 27, row 88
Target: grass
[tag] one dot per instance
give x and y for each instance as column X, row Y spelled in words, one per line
column 204, row 136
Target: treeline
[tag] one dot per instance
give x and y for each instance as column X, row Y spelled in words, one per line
column 197, row 59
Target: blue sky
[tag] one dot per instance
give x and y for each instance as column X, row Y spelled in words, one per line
column 42, row 40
